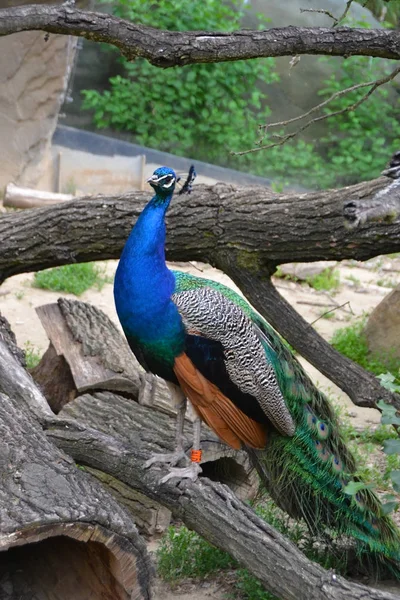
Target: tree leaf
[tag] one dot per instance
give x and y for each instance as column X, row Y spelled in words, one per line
column 395, row 477
column 391, row 446
column 354, row 487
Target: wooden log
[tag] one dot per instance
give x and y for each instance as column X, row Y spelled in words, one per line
column 100, row 436
column 19, row 197
column 62, row 535
column 108, row 436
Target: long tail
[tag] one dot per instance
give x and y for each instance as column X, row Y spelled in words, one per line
column 306, row 474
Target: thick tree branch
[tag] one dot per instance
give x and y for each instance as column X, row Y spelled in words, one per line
column 173, row 48
column 204, row 506
column 210, row 220
column 209, row 225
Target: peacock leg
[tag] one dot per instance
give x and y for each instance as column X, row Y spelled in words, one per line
column 194, row 469
column 173, row 458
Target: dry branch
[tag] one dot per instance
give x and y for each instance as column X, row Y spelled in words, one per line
column 173, row 48
column 283, row 138
column 18, row 197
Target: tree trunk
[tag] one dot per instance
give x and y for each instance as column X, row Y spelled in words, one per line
column 64, row 535
column 266, row 229
column 207, row 507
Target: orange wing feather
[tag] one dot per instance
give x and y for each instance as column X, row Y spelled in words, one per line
column 220, row 413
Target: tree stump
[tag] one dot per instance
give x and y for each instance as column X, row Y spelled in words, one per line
column 62, row 536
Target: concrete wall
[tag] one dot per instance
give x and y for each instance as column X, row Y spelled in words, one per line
column 33, row 81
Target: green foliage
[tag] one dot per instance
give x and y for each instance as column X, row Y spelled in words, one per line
column 208, row 110
column 73, row 279
column 251, row 588
column 351, row 342
column 183, row 553
column 202, row 110
column 32, row 355
column 327, row 280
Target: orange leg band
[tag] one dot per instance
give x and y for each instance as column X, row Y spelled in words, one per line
column 195, row 455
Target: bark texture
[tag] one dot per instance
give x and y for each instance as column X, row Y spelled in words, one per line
column 266, row 229
column 205, row 506
column 64, row 535
column 113, row 436
column 173, row 48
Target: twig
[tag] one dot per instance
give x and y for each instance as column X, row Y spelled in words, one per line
column 344, row 15
column 321, row 11
column 329, row 311
column 315, row 303
column 282, row 139
column 329, row 14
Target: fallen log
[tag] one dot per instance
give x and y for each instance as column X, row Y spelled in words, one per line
column 62, row 535
column 115, row 435
column 20, row 197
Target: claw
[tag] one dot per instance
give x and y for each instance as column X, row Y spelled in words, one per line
column 191, row 472
column 171, row 459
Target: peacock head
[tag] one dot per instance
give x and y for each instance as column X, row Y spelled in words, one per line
column 163, row 181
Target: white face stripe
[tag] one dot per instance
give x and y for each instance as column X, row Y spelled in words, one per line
column 167, row 185
column 155, row 179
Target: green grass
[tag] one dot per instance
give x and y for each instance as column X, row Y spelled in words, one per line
column 32, row 355
column 183, row 553
column 73, row 279
column 351, row 342
column 328, row 280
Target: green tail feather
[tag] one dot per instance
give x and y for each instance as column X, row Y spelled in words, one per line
column 307, row 473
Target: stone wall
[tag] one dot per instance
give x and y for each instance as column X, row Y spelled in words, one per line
column 33, row 81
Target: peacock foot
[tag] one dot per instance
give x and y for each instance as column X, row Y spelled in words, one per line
column 191, row 472
column 171, row 459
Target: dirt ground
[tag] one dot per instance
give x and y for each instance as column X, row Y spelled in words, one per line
column 359, row 292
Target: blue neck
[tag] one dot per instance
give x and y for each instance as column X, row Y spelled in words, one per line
column 143, row 284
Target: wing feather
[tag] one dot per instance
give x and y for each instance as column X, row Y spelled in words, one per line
column 226, row 419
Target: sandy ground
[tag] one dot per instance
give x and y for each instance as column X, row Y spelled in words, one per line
column 359, row 292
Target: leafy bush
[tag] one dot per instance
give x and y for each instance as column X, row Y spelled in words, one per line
column 202, row 110
column 73, row 279
column 206, row 111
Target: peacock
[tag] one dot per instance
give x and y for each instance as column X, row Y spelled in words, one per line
column 246, row 385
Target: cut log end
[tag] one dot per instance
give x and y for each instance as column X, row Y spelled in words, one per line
column 68, row 561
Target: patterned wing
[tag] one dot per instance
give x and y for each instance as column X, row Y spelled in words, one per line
column 224, row 346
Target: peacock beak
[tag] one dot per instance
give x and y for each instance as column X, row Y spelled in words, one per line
column 152, row 179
